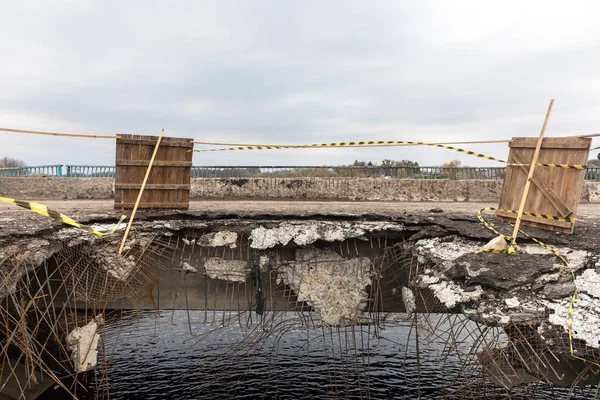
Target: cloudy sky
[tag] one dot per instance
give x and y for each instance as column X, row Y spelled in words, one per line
column 295, row 72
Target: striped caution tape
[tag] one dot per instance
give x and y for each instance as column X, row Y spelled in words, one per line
column 45, row 211
column 489, row 225
column 355, row 144
column 566, row 166
column 386, row 143
column 545, row 216
column 552, row 250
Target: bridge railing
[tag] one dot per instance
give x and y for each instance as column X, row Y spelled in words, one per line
column 89, row 171
column 347, row 172
column 592, row 174
column 489, row 173
column 108, row 171
column 54, row 170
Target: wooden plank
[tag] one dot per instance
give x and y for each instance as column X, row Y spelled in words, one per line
column 557, row 202
column 161, row 163
column 155, row 186
column 550, row 143
column 542, row 223
column 184, row 144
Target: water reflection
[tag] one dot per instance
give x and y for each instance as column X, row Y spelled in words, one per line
column 175, row 356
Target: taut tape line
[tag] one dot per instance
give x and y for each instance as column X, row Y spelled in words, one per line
column 45, row 211
column 385, row 143
column 356, row 144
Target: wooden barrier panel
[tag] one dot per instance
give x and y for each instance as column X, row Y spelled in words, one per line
column 554, row 191
column 168, row 185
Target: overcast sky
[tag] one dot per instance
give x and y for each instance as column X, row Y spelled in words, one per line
column 295, row 72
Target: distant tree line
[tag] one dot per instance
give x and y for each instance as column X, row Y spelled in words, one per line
column 386, row 168
column 8, row 162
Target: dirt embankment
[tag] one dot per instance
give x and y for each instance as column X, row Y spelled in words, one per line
column 329, row 189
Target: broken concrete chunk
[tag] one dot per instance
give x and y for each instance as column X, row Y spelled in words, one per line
column 498, row 244
column 548, row 278
column 586, row 322
column 451, row 294
column 577, row 258
column 589, row 282
column 408, row 298
column 119, row 267
column 334, row 286
column 188, row 268
column 442, row 251
column 217, row 239
column 512, row 302
column 304, row 233
column 83, row 344
column 500, row 271
column 558, row 290
column 229, row 270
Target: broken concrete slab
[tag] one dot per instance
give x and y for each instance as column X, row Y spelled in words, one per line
column 334, row 286
column 83, row 344
column 228, row 270
column 218, row 239
column 500, row 271
column 302, row 233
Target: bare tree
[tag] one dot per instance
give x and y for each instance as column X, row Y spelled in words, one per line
column 8, row 162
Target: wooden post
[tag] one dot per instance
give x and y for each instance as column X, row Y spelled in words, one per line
column 511, row 249
column 137, row 202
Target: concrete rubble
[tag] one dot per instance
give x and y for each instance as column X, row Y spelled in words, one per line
column 218, row 239
column 302, row 233
column 228, row 270
column 408, row 298
column 82, row 342
column 498, row 243
column 498, row 289
column 16, row 260
column 334, row 286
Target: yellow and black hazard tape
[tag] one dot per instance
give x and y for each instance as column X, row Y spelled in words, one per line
column 488, row 225
column 354, row 144
column 545, row 216
column 551, row 250
column 387, row 143
column 566, row 166
column 45, row 211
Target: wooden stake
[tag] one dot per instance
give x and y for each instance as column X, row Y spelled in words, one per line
column 511, row 249
column 137, row 202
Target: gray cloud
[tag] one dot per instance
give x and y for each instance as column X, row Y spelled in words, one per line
column 295, row 72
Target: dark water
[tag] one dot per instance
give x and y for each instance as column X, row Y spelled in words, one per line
column 151, row 357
